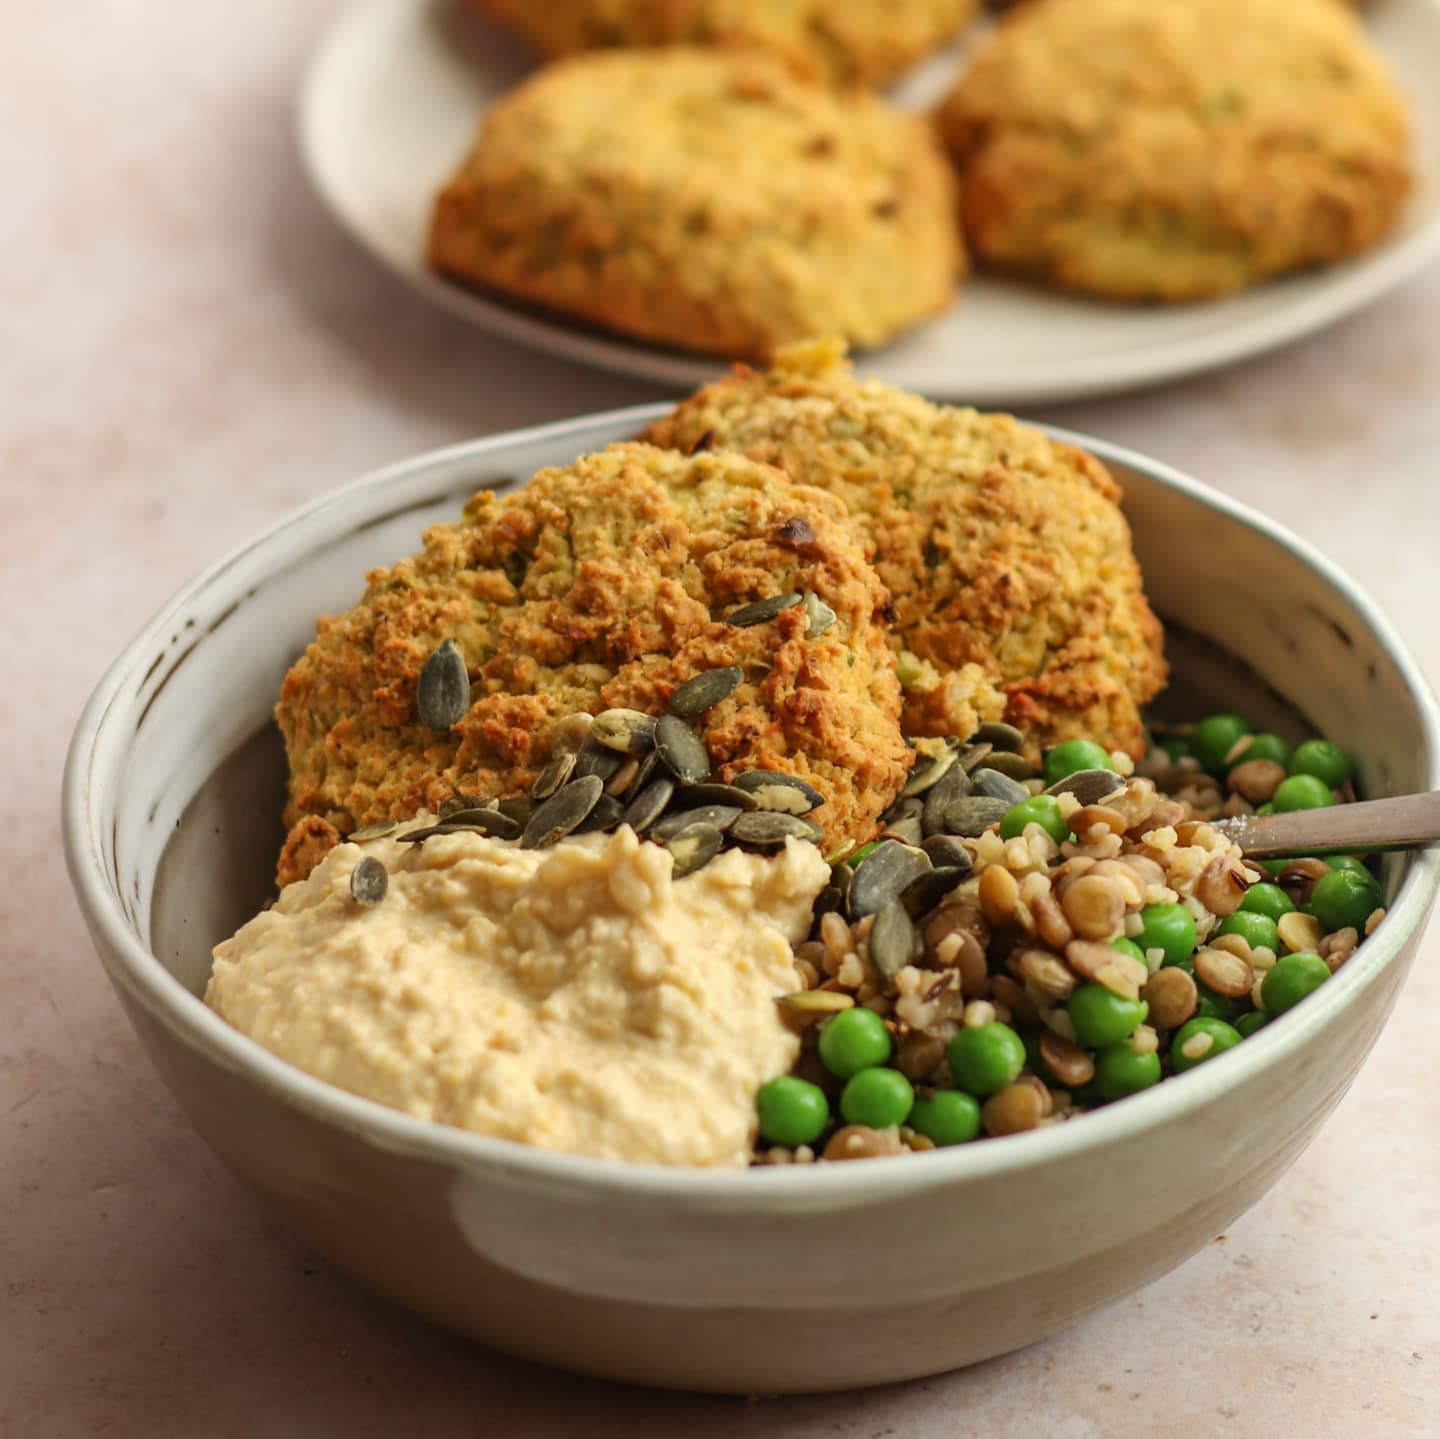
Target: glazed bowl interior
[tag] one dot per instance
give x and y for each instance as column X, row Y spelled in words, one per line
column 172, row 811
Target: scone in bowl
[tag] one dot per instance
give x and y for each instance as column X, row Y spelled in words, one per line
column 794, row 1278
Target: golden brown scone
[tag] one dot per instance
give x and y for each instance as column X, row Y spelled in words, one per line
column 603, row 584
column 705, row 200
column 1016, row 591
column 865, row 41
column 1169, row 150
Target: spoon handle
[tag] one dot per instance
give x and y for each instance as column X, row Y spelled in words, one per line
column 1402, row 822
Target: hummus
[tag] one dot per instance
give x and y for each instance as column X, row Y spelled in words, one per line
column 576, row 998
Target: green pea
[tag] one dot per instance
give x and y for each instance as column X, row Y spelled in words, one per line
column 877, row 1097
column 1343, row 899
column 1170, row 927
column 1267, row 899
column 951, row 1117
column 855, row 1039
column 1327, row 762
column 1264, row 746
column 1293, row 977
column 1129, row 947
column 1177, row 746
column 1222, row 1037
column 1255, row 929
column 1102, row 1017
column 1248, row 1024
column 1264, row 809
column 1213, row 738
column 1041, row 809
column 1302, row 791
column 1120, row 1071
column 792, row 1111
column 1072, row 756
column 987, row 1058
column 1350, row 864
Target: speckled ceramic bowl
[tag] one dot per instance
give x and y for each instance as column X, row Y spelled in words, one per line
column 769, row 1280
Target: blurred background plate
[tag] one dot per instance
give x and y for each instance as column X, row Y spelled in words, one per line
column 396, row 90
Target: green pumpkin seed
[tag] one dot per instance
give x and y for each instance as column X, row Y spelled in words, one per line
column 909, row 830
column 821, row 617
column 518, row 807
column 717, row 816
column 763, row 610
column 595, row 759
column 817, row 1001
column 1013, row 766
column 884, row 875
column 693, row 848
column 727, row 794
column 553, row 776
column 442, row 698
column 994, row 785
column 369, row 881
column 928, row 773
column 373, row 831
column 841, row 878
column 974, row 755
column 705, row 691
column 681, row 750
column 483, row 819
column 828, row 901
column 955, row 785
column 1089, row 786
column 787, row 793
column 607, row 815
column 892, row 942
column 769, row 829
column 649, row 803
column 457, row 803
column 619, row 783
column 973, row 815
column 1001, row 736
column 570, row 733
column 628, row 731
column 947, row 852
column 563, row 812
column 927, row 892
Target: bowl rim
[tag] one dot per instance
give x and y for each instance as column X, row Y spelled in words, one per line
column 144, row 979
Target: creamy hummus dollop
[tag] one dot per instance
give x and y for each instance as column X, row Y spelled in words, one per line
column 576, row 998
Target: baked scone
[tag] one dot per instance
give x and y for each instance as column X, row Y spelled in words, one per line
column 1016, row 591
column 869, row 41
column 603, row 584
column 1168, row 150
column 704, row 199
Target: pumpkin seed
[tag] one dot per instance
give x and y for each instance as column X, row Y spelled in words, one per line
column 620, row 782
column 885, row 874
column 946, row 852
column 785, row 792
column 1013, row 766
column 681, row 750
column 819, row 614
column 994, row 785
column 694, row 847
column 928, row 773
column 442, row 698
column 1089, row 786
column 458, row 803
column 606, row 815
column 369, row 881
column 955, row 785
column 563, row 812
column 766, row 829
column 484, row 820
column 973, row 815
column 372, row 831
column 705, row 691
column 818, row 1001
column 762, row 610
column 910, row 829
column 628, row 731
column 717, row 816
column 697, row 794
column 1001, row 736
column 828, row 901
column 649, row 804
column 518, row 807
column 972, row 756
column 841, row 877
column 553, row 776
column 595, row 759
column 924, row 894
column 569, row 733
column 515, row 566
column 892, row 942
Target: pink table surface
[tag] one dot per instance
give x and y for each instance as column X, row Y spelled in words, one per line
column 192, row 349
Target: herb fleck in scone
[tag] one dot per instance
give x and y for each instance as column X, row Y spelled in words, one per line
column 870, row 41
column 705, row 200
column 603, row 584
column 1016, row 591
column 1169, row 150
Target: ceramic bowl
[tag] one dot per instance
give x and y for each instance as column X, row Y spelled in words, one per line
column 802, row 1278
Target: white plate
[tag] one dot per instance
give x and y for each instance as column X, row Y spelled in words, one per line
column 396, row 90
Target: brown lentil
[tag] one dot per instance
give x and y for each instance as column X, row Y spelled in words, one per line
column 1101, row 816
column 1256, row 779
column 1224, row 972
column 1172, row 996
column 999, row 894
column 1222, row 886
column 1069, row 1062
column 1298, row 878
column 1005, row 990
column 1014, row 1109
column 859, row 1141
column 1042, row 970
column 1094, row 906
column 1299, row 931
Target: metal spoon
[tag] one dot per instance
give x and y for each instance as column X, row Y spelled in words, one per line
column 1405, row 822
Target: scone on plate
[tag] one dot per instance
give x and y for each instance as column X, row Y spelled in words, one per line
column 869, row 41
column 605, row 584
column 1169, row 150
column 706, row 200
column 1017, row 595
